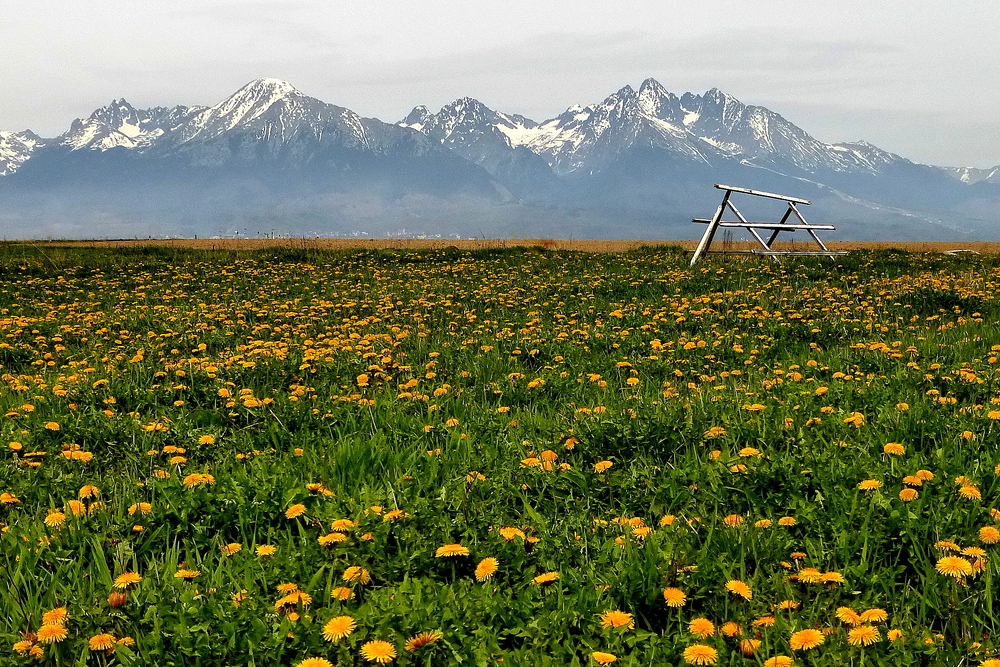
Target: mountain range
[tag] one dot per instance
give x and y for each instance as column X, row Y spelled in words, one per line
column 639, row 164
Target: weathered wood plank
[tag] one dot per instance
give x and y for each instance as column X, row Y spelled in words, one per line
column 769, row 225
column 801, row 253
column 759, row 193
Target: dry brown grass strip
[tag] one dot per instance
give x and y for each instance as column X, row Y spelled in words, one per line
column 584, row 245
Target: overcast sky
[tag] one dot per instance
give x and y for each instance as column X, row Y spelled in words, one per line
column 916, row 77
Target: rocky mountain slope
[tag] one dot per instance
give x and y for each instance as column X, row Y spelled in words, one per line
column 640, row 164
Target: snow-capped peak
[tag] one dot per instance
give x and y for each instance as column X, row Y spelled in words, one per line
column 119, row 116
column 15, row 149
column 262, row 90
column 246, row 104
column 417, row 117
column 252, row 99
column 657, row 101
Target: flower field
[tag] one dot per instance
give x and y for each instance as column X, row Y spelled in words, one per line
column 497, row 457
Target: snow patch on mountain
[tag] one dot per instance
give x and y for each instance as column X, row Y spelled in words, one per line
column 973, row 175
column 121, row 125
column 16, row 148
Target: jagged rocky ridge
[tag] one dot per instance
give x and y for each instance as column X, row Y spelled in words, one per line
column 638, row 164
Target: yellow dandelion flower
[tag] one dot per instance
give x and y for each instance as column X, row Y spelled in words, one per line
column 314, row 662
column 331, row 538
column 617, row 619
column 57, row 616
column 989, row 535
column 486, row 568
column 23, row 647
column 749, row 647
column 102, row 642
column 603, row 658
column 953, row 566
column 894, row 448
column 874, row 615
column 779, row 661
column 848, row 615
column 895, row 635
column 55, row 519
column 674, row 597
column 731, row 629
column 869, row 485
column 127, row 580
column 392, row 515
column 339, row 627
column 356, row 573
column 737, row 587
column 806, row 639
column 450, row 550
column 863, row 635
column 231, row 548
column 423, row 639
column 378, row 651
column 295, row 511
column 700, row 654
column 52, row 633
column 810, row 575
column 908, row 495
column 509, row 534
column 196, row 479
column 970, row 492
column 292, row 600
column 546, row 578
column 601, row 466
column 341, row 593
column 855, row 419
column 265, row 550
column 701, row 627
column 186, row 574
column 141, row 508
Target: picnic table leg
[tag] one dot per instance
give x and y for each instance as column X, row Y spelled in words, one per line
column 819, row 242
column 774, row 234
column 706, row 240
column 760, row 240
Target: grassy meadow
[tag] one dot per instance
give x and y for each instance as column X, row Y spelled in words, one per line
column 315, row 457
